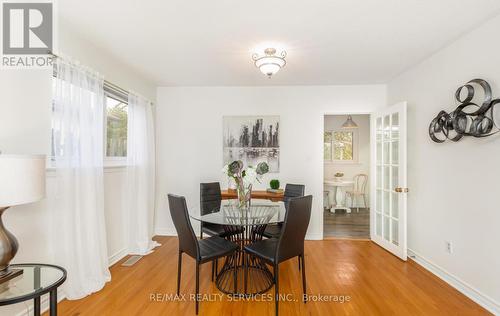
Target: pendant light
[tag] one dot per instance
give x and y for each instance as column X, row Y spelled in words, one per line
column 349, row 123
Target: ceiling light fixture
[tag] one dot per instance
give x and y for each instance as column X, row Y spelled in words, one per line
column 271, row 62
column 349, row 123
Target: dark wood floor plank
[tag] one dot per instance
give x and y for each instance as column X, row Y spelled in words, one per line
column 354, row 225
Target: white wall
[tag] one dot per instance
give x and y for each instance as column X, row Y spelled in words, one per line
column 25, row 113
column 189, row 136
column 362, row 151
column 454, row 186
column 84, row 50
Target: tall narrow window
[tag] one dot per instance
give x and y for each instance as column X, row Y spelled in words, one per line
column 116, row 127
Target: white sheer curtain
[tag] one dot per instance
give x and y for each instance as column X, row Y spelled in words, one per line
column 79, row 227
column 140, row 175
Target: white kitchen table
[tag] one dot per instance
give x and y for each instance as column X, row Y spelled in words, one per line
column 335, row 187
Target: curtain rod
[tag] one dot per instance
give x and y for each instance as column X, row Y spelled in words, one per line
column 109, row 85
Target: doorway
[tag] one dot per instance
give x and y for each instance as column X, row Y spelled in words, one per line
column 346, row 158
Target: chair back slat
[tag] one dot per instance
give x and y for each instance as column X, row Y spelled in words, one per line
column 360, row 181
column 293, row 191
column 179, row 213
column 293, row 232
column 210, row 197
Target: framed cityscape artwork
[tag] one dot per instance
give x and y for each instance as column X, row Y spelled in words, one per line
column 252, row 139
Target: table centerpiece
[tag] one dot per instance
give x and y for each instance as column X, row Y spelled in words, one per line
column 245, row 178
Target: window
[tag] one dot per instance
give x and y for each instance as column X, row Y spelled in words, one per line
column 339, row 146
column 116, row 127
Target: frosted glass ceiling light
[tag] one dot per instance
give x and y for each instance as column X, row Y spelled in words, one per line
column 270, row 63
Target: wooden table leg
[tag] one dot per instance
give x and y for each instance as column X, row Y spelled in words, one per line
column 53, row 302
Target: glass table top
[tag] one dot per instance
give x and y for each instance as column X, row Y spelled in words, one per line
column 259, row 213
column 35, row 279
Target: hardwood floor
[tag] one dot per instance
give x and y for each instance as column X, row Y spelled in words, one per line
column 376, row 282
column 354, row 225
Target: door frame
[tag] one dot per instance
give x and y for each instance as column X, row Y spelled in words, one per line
column 369, row 113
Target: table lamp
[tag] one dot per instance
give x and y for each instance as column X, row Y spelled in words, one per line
column 22, row 181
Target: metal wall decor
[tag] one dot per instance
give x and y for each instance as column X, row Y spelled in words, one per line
column 469, row 118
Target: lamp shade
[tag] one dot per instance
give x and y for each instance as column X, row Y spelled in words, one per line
column 22, row 179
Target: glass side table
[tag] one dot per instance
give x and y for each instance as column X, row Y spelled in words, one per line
column 36, row 280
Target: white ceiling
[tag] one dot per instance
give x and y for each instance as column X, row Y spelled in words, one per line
column 182, row 42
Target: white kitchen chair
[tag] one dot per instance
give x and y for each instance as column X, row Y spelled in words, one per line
column 359, row 189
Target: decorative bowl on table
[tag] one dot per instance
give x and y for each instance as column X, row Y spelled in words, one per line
column 339, row 176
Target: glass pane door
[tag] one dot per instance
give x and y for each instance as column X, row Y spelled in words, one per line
column 389, row 179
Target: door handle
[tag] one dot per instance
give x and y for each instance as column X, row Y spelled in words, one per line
column 401, row 190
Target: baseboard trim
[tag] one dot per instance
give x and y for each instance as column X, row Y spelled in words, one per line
column 314, row 236
column 159, row 231
column 119, row 255
column 463, row 287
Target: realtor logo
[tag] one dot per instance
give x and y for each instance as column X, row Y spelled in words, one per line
column 27, row 28
column 27, row 34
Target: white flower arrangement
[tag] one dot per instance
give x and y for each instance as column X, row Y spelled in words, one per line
column 249, row 175
column 245, row 178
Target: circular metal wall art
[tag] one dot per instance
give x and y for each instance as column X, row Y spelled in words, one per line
column 469, row 118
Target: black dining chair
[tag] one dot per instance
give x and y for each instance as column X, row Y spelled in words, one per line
column 291, row 191
column 205, row 250
column 210, row 201
column 289, row 245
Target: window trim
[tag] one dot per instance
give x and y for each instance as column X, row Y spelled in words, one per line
column 355, row 147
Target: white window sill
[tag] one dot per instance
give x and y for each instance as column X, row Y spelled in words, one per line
column 110, row 165
column 115, row 164
column 340, row 162
column 115, row 161
column 52, row 169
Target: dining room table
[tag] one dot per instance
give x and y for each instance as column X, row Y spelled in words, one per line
column 243, row 226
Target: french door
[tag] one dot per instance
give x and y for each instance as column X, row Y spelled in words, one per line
column 388, row 180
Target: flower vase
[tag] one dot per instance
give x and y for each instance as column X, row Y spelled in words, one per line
column 244, row 195
column 231, row 186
